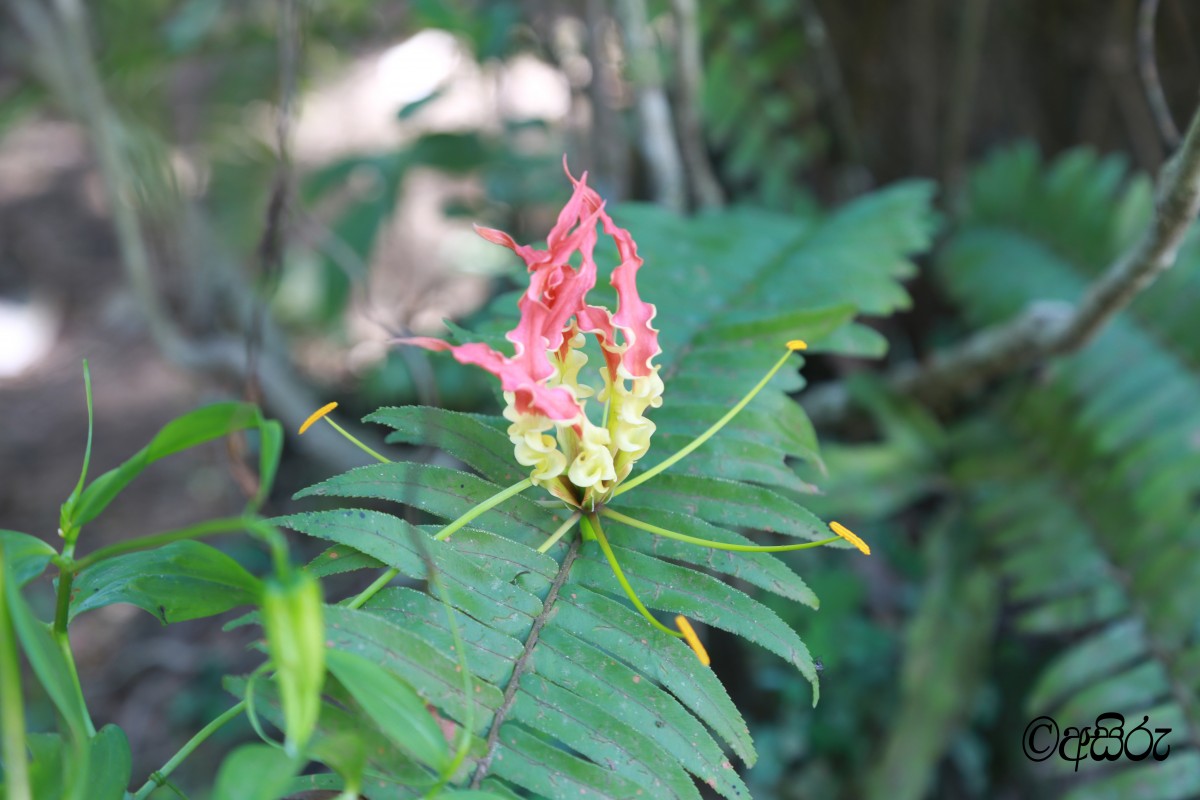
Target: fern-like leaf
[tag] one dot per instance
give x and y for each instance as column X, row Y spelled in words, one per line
column 1086, row 485
column 577, row 695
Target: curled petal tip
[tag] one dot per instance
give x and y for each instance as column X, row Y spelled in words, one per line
column 849, row 535
column 689, row 636
column 316, row 415
column 797, row 344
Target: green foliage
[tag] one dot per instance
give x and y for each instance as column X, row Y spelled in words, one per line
column 168, row 575
column 175, row 582
column 1085, row 483
column 759, row 102
column 543, row 633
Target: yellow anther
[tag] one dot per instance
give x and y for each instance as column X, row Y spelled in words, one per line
column 849, row 535
column 689, row 636
column 797, row 344
column 316, row 415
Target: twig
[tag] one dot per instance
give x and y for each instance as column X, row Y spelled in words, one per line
column 1045, row 329
column 1148, row 69
column 524, row 662
column 273, row 242
column 657, row 132
column 689, row 77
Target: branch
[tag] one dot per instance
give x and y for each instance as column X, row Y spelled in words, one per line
column 657, row 132
column 689, row 77
column 1148, row 69
column 1045, row 329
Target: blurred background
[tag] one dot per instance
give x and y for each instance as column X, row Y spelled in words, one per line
column 191, row 186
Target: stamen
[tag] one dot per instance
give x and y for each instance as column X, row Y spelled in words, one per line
column 321, row 413
column 560, row 532
column 316, row 415
column 616, row 568
column 849, row 535
column 689, row 636
column 741, row 548
column 486, row 505
column 793, row 345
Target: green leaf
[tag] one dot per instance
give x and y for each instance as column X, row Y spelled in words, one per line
column 729, row 504
column 444, row 492
column 390, row 539
column 427, row 670
column 48, row 663
column 47, row 766
column 176, row 582
column 189, row 430
column 586, row 727
column 615, row 627
column 394, row 707
column 110, row 764
column 760, row 569
column 529, row 761
column 474, row 440
column 684, row 591
column 26, row 556
column 578, row 666
column 255, row 772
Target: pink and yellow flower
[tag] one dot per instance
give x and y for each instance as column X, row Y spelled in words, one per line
column 582, row 461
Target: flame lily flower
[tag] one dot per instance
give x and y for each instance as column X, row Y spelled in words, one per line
column 584, row 462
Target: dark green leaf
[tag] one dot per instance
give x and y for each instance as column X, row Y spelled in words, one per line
column 26, row 556
column 255, row 772
column 176, row 582
column 393, row 706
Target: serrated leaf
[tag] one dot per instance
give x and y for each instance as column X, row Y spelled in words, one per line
column 760, row 569
column 673, row 588
column 587, row 728
column 467, row 437
column 390, row 539
column 430, row 672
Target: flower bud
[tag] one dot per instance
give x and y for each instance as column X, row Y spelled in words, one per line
column 293, row 619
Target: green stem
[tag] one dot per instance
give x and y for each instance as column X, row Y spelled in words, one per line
column 493, row 501
column 616, row 568
column 62, row 605
column 159, row 778
column 12, row 709
column 708, row 434
column 200, row 530
column 741, row 548
column 486, row 505
column 369, row 592
column 354, row 440
column 560, row 532
column 62, row 613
